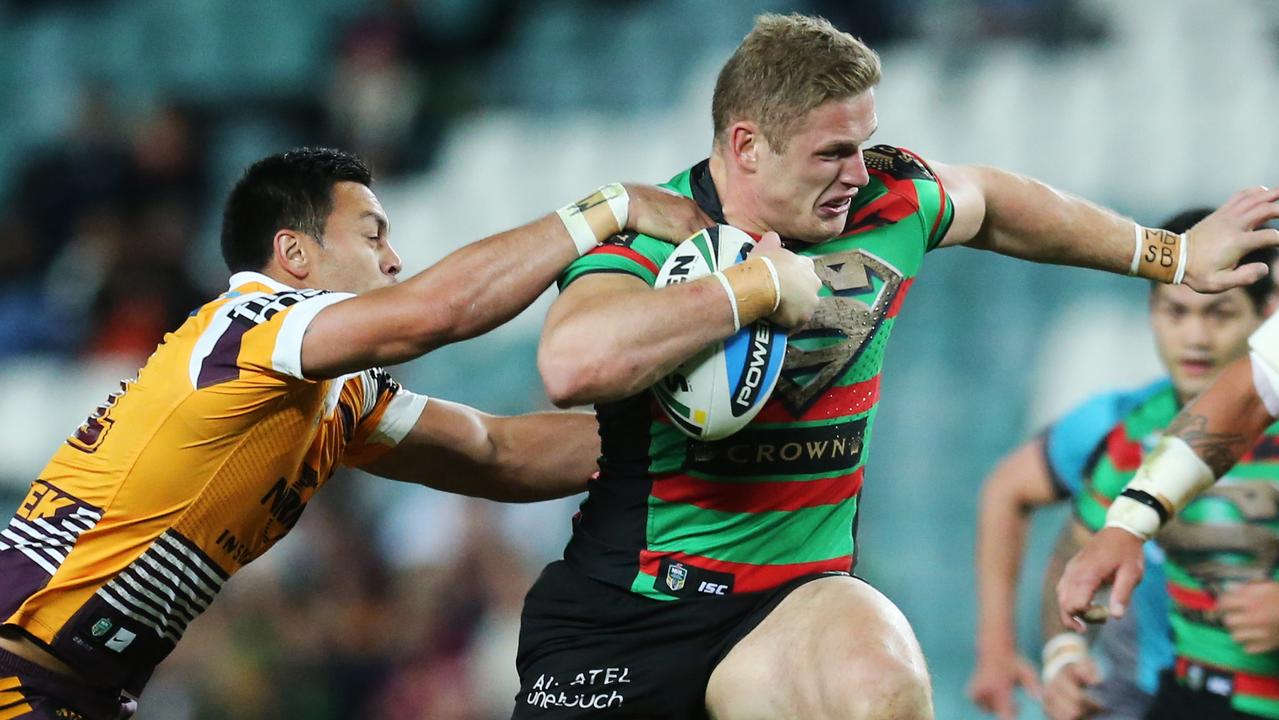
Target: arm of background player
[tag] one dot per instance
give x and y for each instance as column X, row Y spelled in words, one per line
column 473, row 290
column 1018, row 216
column 1066, row 693
column 1020, row 483
column 1219, row 426
column 458, row 449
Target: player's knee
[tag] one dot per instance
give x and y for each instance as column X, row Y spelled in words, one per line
column 889, row 688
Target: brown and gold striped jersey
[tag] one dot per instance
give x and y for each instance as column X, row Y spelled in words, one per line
column 191, row 470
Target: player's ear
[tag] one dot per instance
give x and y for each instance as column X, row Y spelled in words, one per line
column 744, row 140
column 291, row 253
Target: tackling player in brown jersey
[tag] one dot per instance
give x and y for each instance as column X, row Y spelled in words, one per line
column 209, row 456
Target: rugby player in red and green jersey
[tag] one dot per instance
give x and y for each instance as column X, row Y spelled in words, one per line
column 1219, row 556
column 713, row 579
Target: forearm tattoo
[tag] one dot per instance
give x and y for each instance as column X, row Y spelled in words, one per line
column 1219, row 450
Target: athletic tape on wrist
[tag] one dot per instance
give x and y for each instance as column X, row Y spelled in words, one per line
column 1170, row 477
column 732, row 299
column 755, row 289
column 1181, row 259
column 1136, row 249
column 1158, row 255
column 1060, row 651
column 587, row 222
column 777, row 284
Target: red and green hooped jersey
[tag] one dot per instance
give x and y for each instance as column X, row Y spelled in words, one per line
column 1228, row 535
column 672, row 517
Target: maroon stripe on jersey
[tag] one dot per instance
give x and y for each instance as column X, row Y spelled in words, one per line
column 1124, row 452
column 747, row 578
column 223, row 361
column 1192, row 599
column 896, row 305
column 838, row 402
column 754, row 497
column 627, row 253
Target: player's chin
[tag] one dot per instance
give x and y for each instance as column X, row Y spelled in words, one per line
column 823, row 226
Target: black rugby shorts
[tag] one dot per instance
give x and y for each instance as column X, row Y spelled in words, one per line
column 588, row 649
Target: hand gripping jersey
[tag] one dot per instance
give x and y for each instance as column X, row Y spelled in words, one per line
column 1134, row 650
column 672, row 517
column 188, row 473
column 1229, row 534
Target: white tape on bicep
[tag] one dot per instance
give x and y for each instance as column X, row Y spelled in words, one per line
column 1265, row 380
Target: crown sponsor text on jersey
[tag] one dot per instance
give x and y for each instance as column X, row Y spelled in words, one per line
column 762, row 451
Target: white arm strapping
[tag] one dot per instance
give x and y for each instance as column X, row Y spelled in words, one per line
column 1264, row 342
column 1060, row 651
column 1172, row 474
column 1265, row 380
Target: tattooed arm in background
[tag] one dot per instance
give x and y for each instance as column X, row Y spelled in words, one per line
column 1217, row 428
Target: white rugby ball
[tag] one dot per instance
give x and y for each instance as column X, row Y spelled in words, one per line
column 718, row 391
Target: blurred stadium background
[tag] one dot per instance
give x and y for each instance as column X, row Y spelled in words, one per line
column 123, row 123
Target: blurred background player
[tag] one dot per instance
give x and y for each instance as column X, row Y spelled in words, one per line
column 1196, row 335
column 210, row 455
column 793, row 110
column 1218, row 563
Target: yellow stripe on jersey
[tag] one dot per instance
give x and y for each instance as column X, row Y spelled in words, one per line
column 15, row 711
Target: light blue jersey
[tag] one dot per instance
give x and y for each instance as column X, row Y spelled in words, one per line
column 1131, row 652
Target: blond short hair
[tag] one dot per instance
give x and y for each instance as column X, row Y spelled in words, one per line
column 786, row 66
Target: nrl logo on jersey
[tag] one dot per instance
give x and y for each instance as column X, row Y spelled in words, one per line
column 863, row 287
column 676, row 575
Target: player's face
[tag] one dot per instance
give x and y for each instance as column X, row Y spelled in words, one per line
column 805, row 192
column 356, row 255
column 1197, row 335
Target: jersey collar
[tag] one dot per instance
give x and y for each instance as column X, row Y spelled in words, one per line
column 246, row 277
column 702, row 186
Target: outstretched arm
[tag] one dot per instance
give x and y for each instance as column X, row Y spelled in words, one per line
column 458, row 449
column 1020, row 483
column 1204, row 441
column 1018, row 216
column 483, row 284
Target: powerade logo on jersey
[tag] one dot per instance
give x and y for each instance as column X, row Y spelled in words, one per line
column 757, row 349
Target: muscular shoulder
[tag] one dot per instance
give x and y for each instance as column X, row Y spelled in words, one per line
column 889, row 162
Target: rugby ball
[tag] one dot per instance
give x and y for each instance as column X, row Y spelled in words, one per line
column 718, row 391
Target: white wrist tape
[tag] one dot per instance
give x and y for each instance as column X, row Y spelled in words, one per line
column 777, row 284
column 1170, row 477
column 586, row 226
column 1136, row 248
column 732, row 298
column 1181, row 259
column 1060, row 651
